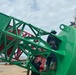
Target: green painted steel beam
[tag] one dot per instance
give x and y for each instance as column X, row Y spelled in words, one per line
column 14, row 28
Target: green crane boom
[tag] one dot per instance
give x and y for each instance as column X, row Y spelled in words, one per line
column 12, row 39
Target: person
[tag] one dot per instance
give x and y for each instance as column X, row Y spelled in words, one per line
column 36, row 64
column 52, row 41
column 51, row 59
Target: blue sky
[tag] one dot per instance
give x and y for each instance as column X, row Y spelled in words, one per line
column 46, row 14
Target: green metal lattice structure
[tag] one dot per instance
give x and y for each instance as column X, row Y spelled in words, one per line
column 11, row 38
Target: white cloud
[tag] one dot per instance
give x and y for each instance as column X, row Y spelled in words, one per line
column 47, row 15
